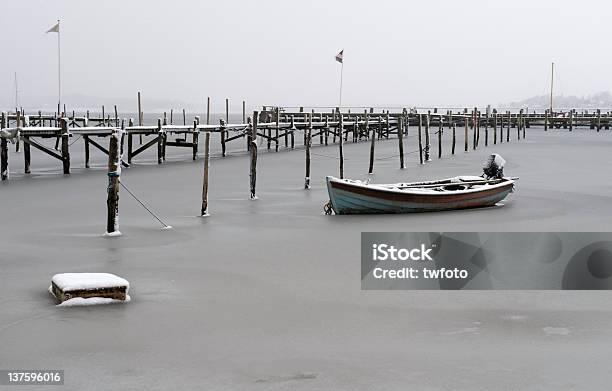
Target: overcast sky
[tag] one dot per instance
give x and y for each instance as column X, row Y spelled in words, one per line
column 400, row 53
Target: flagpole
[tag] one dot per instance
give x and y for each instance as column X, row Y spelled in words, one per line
column 59, row 70
column 341, row 74
column 16, row 93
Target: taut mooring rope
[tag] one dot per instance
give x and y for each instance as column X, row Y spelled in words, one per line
column 144, row 206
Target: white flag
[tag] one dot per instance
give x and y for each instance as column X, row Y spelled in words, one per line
column 54, row 29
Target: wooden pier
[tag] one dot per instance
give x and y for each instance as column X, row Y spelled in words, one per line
column 278, row 128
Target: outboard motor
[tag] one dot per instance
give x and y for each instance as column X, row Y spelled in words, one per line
column 494, row 167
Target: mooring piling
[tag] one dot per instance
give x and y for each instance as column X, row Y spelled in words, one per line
column 372, row 144
column 454, row 138
column 308, row 142
column 440, row 130
column 494, row 127
column 420, row 139
column 253, row 150
column 4, row 170
column 509, row 125
column 204, row 210
column 65, row 147
column 114, row 172
column 400, row 140
column 466, row 121
column 427, row 143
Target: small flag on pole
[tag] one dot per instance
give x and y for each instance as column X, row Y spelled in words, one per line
column 54, row 29
column 340, row 57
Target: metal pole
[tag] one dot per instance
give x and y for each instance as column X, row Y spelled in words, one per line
column 16, row 92
column 552, row 83
column 59, row 67
column 341, row 75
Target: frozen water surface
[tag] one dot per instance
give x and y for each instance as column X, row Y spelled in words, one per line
column 266, row 295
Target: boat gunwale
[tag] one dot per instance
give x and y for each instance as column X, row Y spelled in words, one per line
column 379, row 188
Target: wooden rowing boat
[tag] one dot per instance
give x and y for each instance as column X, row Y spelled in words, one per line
column 463, row 192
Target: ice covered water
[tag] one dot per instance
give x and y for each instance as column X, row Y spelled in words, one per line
column 270, row 289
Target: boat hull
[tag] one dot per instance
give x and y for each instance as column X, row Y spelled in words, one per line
column 357, row 198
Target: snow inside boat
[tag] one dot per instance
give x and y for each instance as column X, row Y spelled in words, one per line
column 462, row 192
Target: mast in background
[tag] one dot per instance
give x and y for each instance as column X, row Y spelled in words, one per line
column 552, row 84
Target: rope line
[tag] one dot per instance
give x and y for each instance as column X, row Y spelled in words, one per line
column 143, row 205
column 394, row 156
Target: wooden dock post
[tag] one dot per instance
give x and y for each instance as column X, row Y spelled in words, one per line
column 372, row 144
column 4, row 170
column 495, row 126
column 478, row 115
column 139, row 111
column 341, row 149
column 292, row 131
column 509, row 123
column 243, row 112
column 208, row 111
column 465, row 135
column 520, row 124
column 598, row 120
column 286, row 133
column 253, row 165
column 86, row 141
column 474, row 128
column 400, row 139
column 388, row 125
column 27, row 154
column 420, row 138
column 487, row 122
column 195, row 138
column 114, row 172
column 427, row 143
column 325, row 130
column 130, row 138
column 277, row 128
column 440, row 131
column 222, row 124
column 227, row 110
column 454, row 138
column 308, row 142
column 571, row 121
column 17, row 125
column 204, row 209
column 546, row 120
column 501, row 127
column 140, row 118
column 487, row 128
column 160, row 138
column 65, row 146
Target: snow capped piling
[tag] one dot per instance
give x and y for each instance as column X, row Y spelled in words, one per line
column 114, row 173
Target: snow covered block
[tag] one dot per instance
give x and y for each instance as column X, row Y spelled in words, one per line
column 66, row 286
